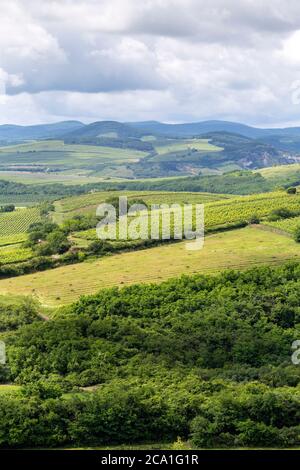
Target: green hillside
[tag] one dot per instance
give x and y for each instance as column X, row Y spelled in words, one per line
column 235, row 249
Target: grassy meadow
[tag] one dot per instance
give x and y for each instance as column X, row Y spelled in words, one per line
column 202, row 145
column 58, row 153
column 238, row 249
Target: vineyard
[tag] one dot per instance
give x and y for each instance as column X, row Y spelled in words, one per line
column 14, row 254
column 12, row 239
column 220, row 212
column 91, row 200
column 18, row 222
column 21, row 200
column 244, row 207
column 287, row 225
column 232, row 211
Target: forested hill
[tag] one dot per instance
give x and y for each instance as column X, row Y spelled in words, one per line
column 206, row 358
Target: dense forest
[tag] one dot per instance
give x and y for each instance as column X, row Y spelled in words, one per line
column 206, row 358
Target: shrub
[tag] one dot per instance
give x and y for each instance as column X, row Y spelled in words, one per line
column 281, row 213
column 254, row 220
column 58, row 242
column 7, row 208
column 297, row 234
column 98, row 247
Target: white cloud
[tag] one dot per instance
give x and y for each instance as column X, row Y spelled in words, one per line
column 290, row 48
column 171, row 60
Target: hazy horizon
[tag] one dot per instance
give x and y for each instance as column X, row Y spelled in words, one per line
column 152, row 120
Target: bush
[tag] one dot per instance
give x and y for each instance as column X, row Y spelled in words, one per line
column 7, row 208
column 254, row 220
column 98, row 247
column 291, row 190
column 297, row 234
column 281, row 213
column 254, row 434
column 58, row 242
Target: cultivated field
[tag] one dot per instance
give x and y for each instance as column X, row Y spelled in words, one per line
column 12, row 239
column 14, row 254
column 16, row 222
column 287, row 225
column 58, row 153
column 54, row 161
column 235, row 249
column 202, row 145
column 279, row 171
column 68, row 177
column 244, row 207
column 9, row 389
column 89, row 202
column 219, row 209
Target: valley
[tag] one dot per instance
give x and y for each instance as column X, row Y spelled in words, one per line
column 140, row 328
column 113, row 150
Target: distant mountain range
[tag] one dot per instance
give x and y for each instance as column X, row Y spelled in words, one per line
column 114, row 129
column 11, row 132
column 204, row 127
column 166, row 149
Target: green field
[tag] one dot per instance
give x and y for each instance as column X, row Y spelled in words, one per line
column 36, row 178
column 279, row 171
column 9, row 389
column 89, row 202
column 18, row 222
column 282, row 174
column 287, row 225
column 219, row 209
column 14, row 254
column 12, row 239
column 244, row 207
column 58, row 153
column 201, row 145
column 54, row 161
column 235, row 249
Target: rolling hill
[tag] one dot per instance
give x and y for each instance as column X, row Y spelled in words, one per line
column 105, row 129
column 204, row 127
column 234, row 249
column 13, row 133
column 73, row 151
column 138, row 129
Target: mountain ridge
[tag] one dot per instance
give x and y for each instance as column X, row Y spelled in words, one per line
column 186, row 129
column 137, row 129
column 203, row 127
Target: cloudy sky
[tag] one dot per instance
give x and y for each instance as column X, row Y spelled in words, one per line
column 169, row 60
